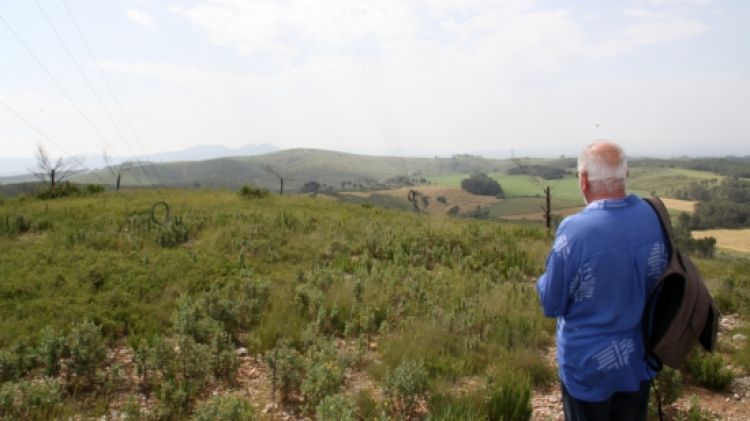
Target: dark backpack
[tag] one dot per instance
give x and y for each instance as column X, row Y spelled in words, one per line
column 679, row 311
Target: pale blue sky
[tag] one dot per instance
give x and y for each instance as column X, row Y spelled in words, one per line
column 428, row 77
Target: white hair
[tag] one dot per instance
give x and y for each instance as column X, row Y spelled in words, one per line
column 605, row 174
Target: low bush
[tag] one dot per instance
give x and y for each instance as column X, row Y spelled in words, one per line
column 224, row 408
column 172, row 234
column 64, row 189
column 405, row 385
column 669, row 385
column 15, row 361
column 459, row 408
column 287, row 368
column 709, row 370
column 94, row 188
column 509, row 398
column 253, row 192
column 336, row 408
column 37, row 399
column 50, row 351
column 87, row 352
column 323, row 377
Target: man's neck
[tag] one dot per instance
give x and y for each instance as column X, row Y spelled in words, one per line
column 616, row 195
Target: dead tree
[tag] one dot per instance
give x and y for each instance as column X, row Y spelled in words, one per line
column 272, row 170
column 49, row 171
column 116, row 170
column 538, row 180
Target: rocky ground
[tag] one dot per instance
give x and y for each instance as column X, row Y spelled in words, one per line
column 253, row 381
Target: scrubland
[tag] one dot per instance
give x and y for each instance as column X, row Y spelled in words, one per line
column 258, row 306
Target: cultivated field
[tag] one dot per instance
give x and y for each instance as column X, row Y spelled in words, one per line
column 679, row 205
column 732, row 239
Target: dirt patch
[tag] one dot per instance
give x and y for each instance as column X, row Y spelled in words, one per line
column 737, row 240
column 680, row 205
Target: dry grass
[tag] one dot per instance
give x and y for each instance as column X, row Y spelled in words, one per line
column 679, row 205
column 454, row 197
column 737, row 239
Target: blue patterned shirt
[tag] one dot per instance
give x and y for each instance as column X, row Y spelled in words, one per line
column 604, row 262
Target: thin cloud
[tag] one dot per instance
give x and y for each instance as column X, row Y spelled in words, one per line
column 142, row 19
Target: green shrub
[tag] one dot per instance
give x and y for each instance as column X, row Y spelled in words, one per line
column 224, row 362
column 9, row 392
column 322, row 378
column 179, row 369
column 172, row 234
column 405, row 385
column 50, row 351
column 509, row 398
column 94, row 188
column 669, row 384
column 461, row 408
column 87, row 352
column 37, row 399
column 9, row 369
column 66, row 188
column 174, row 397
column 709, row 370
column 335, row 408
column 732, row 295
column 12, row 226
column 224, row 408
column 191, row 320
column 252, row 192
column 286, row 369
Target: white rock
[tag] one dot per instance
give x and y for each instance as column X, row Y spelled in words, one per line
column 241, row 351
column 739, row 337
column 269, row 407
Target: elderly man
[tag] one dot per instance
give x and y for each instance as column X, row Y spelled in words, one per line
column 604, row 262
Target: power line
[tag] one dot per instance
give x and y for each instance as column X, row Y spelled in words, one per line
column 111, row 91
column 86, row 79
column 54, row 80
column 363, row 53
column 48, row 139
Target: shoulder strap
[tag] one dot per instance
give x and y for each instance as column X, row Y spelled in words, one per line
column 661, row 211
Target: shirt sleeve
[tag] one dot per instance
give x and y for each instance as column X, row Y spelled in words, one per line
column 554, row 284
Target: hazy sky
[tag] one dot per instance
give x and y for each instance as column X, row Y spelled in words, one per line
column 429, row 77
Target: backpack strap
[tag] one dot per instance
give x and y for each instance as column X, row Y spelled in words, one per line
column 666, row 222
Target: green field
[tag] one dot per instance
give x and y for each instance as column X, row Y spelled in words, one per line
column 661, row 180
column 519, row 185
column 525, row 196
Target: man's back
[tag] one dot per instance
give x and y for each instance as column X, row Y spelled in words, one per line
column 604, row 262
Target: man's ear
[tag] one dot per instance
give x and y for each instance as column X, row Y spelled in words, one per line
column 583, row 182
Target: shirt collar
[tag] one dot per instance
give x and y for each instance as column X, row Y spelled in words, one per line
column 612, row 203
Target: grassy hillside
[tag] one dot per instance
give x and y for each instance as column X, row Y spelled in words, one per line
column 316, row 304
column 297, row 166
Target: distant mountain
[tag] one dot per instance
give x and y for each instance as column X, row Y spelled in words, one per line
column 15, row 165
column 204, row 152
